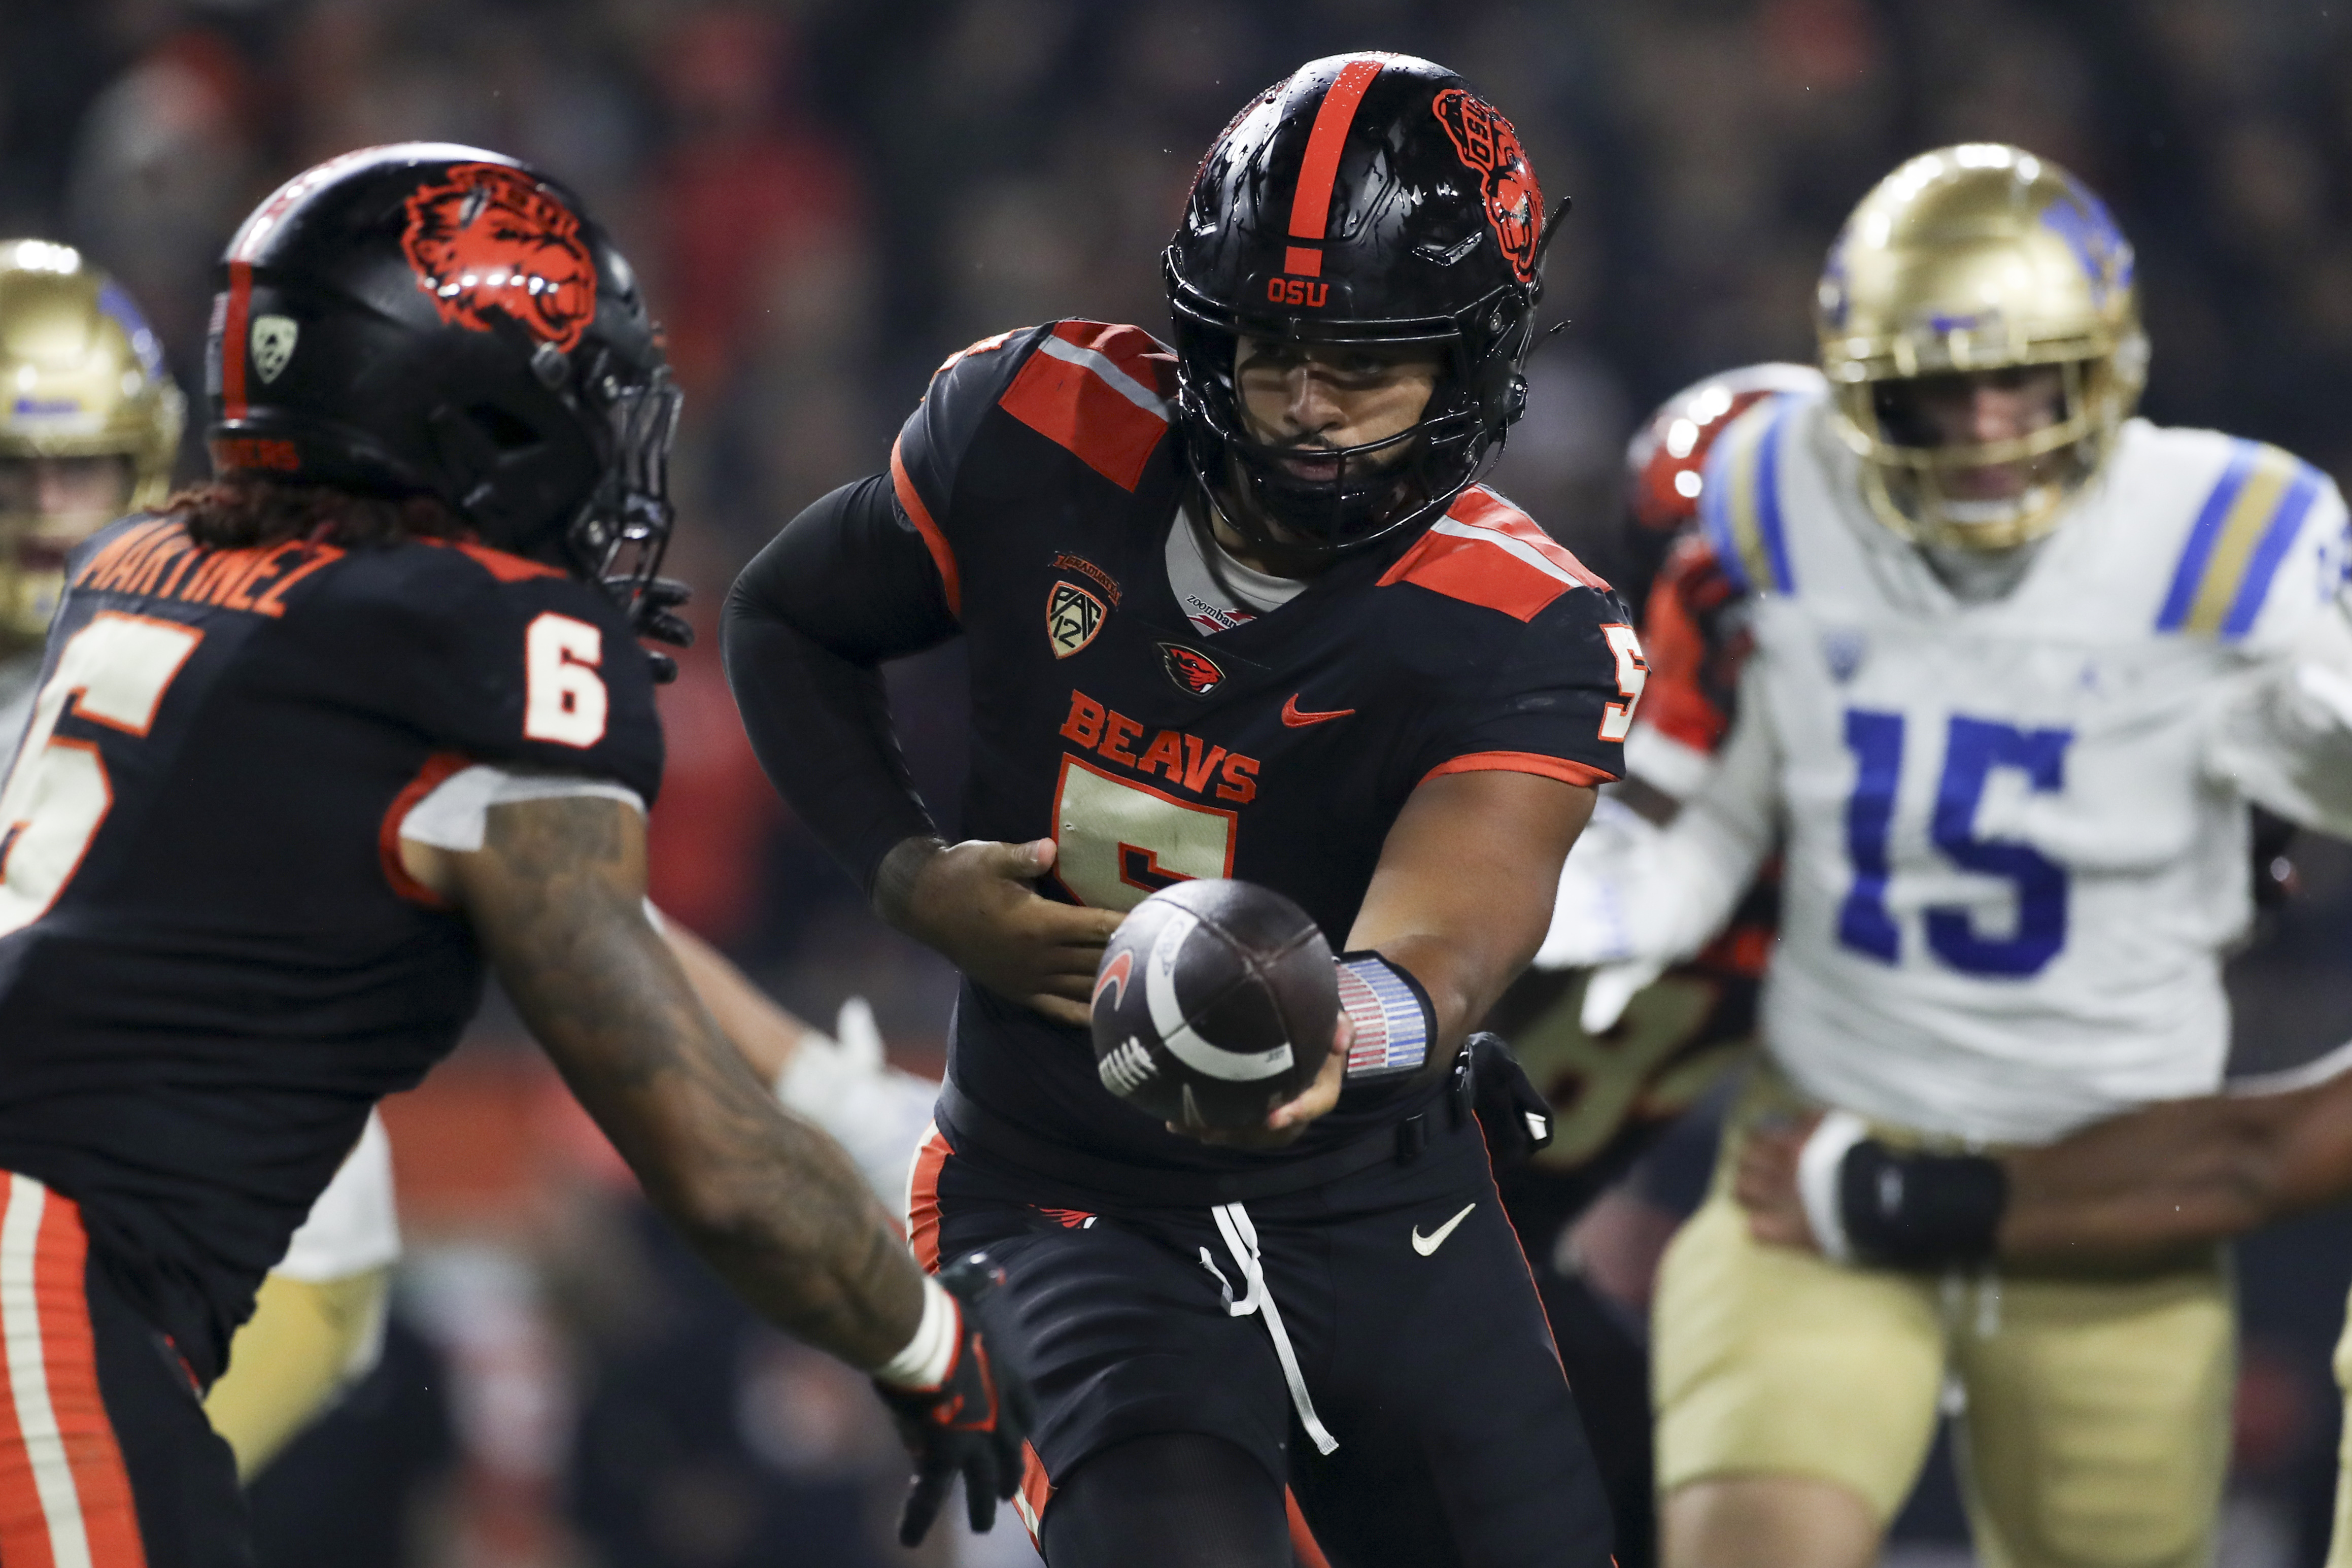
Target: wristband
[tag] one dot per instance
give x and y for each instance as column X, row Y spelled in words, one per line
column 931, row 1354
column 1920, row 1211
column 1819, row 1165
column 1394, row 1022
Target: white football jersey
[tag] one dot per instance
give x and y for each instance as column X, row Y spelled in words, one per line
column 2015, row 831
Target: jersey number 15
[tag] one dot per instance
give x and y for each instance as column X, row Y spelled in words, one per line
column 1973, row 748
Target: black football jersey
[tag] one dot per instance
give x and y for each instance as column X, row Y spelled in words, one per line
column 1042, row 476
column 211, row 964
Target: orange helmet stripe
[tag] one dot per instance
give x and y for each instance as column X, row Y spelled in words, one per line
column 1311, row 205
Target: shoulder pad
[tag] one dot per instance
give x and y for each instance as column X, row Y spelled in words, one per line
column 1739, row 497
column 1101, row 392
column 2246, row 524
column 1487, row 552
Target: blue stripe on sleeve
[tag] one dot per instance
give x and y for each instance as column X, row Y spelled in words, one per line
column 2202, row 537
column 1767, row 497
column 2278, row 536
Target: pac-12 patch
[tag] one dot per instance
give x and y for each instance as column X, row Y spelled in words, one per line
column 1073, row 616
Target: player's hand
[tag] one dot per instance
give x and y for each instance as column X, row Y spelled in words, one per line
column 975, row 902
column 1766, row 1184
column 1513, row 1117
column 972, row 1422
column 1285, row 1121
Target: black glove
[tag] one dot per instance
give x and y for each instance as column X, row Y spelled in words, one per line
column 1516, row 1120
column 973, row 1423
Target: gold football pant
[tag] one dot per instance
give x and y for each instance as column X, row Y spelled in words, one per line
column 305, row 1341
column 2339, row 1549
column 2096, row 1413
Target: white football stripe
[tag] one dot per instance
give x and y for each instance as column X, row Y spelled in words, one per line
column 1517, row 547
column 28, row 1374
column 1159, row 996
column 1103, row 365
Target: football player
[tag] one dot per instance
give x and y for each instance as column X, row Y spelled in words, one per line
column 308, row 745
column 2021, row 664
column 89, row 432
column 1239, row 609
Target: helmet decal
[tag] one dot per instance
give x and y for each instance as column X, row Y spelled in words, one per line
column 1310, row 202
column 493, row 239
column 1489, row 147
column 2083, row 221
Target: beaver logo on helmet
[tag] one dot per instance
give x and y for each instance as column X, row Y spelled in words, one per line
column 1487, row 144
column 492, row 240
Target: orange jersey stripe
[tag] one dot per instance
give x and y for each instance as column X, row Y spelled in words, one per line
column 1487, row 552
column 1536, row 762
column 1302, row 1540
column 1098, row 393
column 933, row 540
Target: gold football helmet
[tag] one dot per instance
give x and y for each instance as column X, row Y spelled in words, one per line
column 1973, row 258
column 81, row 376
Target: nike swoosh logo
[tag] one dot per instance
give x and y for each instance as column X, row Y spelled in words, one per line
column 1298, row 720
column 1426, row 1244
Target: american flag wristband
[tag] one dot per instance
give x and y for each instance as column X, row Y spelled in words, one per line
column 1394, row 1022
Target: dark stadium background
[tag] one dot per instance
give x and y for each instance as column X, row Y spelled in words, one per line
column 829, row 197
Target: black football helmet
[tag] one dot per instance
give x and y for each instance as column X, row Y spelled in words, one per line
column 434, row 319
column 1369, row 198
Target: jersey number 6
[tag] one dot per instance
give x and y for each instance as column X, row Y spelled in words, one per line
column 114, row 671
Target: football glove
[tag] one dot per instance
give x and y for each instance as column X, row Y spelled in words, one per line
column 971, row 1423
column 1513, row 1117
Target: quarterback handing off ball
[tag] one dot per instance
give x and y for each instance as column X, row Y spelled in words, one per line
column 1214, row 1003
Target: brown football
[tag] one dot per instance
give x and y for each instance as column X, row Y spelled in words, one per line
column 1213, row 1004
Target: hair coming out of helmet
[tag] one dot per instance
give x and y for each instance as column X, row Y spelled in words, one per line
column 1371, row 201
column 244, row 512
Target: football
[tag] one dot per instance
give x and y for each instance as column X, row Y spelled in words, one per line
column 1214, row 1003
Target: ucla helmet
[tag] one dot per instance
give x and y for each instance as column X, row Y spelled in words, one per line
column 81, row 376
column 1970, row 259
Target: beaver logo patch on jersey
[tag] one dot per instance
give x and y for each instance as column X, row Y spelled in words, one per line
column 1073, row 616
column 1488, row 146
column 490, row 241
column 1191, row 669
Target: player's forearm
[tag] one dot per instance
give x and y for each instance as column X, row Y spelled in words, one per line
column 769, row 1201
column 2179, row 1174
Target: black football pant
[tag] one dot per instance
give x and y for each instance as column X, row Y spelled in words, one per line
column 1375, row 1343
column 106, row 1458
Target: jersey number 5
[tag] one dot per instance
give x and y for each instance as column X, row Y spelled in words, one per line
column 1632, row 675
column 1973, row 748
column 1118, row 843
column 114, row 671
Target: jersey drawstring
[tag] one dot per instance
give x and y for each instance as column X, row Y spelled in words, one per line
column 1241, row 1238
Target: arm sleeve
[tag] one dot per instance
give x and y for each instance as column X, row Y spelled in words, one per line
column 846, row 585
column 2284, row 737
column 1704, row 861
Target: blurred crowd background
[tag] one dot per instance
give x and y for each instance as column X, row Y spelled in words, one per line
column 829, row 196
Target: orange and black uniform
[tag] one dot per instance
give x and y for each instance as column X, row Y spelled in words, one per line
column 212, row 966
column 1028, row 508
